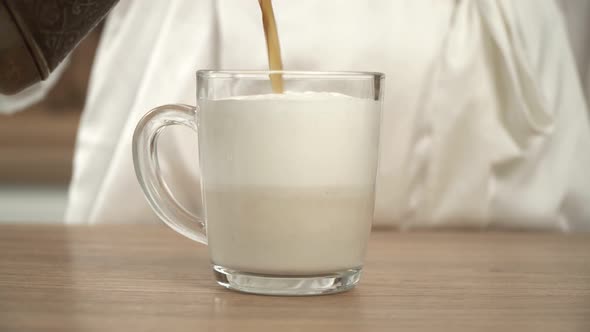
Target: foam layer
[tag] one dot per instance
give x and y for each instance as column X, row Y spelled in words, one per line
column 292, row 95
column 286, row 140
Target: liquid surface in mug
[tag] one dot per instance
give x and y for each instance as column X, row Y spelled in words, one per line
column 289, row 181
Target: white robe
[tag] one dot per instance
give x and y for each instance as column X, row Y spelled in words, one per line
column 485, row 122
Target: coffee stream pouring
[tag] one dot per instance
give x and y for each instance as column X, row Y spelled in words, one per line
column 272, row 45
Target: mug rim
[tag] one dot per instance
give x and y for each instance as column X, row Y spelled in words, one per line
column 263, row 74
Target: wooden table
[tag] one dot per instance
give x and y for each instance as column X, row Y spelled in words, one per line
column 147, row 278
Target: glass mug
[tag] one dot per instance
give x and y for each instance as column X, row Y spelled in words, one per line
column 287, row 180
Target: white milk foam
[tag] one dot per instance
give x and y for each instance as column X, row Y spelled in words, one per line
column 293, row 139
column 288, row 180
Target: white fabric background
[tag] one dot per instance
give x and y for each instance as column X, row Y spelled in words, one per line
column 485, row 121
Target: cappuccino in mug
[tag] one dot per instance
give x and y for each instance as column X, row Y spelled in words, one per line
column 289, row 181
column 287, row 163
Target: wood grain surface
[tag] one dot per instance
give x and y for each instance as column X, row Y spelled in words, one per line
column 147, row 278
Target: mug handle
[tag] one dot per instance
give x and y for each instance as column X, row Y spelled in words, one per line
column 147, row 168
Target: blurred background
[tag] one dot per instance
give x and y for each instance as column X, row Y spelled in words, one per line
column 37, row 145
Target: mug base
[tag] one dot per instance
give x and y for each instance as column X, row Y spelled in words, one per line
column 265, row 284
